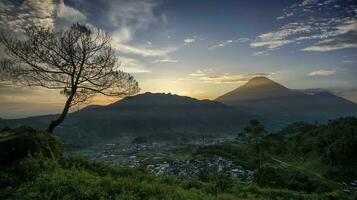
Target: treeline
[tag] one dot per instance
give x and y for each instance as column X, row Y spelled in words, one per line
column 301, row 157
column 334, row 144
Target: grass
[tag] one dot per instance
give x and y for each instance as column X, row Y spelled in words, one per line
column 312, row 168
column 79, row 178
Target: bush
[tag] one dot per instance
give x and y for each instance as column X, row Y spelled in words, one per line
column 29, row 142
column 284, row 178
column 268, row 176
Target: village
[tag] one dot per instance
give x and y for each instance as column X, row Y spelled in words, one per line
column 165, row 158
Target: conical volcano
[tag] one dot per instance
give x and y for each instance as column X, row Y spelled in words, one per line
column 264, row 97
column 255, row 89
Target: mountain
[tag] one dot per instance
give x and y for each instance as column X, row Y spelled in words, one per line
column 255, row 89
column 264, row 97
column 149, row 114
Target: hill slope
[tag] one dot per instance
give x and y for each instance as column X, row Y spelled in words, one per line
column 267, row 98
column 159, row 115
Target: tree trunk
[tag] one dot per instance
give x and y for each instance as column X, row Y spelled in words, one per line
column 258, row 153
column 60, row 119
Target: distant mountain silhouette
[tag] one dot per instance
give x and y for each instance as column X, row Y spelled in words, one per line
column 159, row 115
column 255, row 89
column 267, row 98
column 168, row 116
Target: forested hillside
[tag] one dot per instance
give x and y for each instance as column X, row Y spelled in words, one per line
column 299, row 162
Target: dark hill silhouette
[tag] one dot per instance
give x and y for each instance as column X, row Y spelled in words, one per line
column 265, row 97
column 162, row 115
column 173, row 116
column 149, row 99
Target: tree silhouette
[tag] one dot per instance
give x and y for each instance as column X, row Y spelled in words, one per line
column 253, row 135
column 79, row 61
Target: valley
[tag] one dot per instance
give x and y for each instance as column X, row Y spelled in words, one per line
column 166, row 158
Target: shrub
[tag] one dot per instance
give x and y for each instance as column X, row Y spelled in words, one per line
column 284, row 178
column 29, row 142
column 268, row 176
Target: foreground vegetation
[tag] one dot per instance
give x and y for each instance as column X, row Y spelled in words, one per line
column 301, row 157
column 36, row 166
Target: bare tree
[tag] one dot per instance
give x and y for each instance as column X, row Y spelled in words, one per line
column 78, row 61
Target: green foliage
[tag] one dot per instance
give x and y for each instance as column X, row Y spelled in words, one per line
column 335, row 143
column 255, row 192
column 252, row 135
column 46, row 172
column 284, row 178
column 274, row 144
column 268, row 176
column 40, row 177
column 29, row 142
column 317, row 157
column 338, row 144
column 50, row 180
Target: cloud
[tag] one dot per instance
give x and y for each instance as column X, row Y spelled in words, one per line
column 348, row 61
column 273, row 44
column 322, row 72
column 188, row 41
column 261, row 53
column 333, row 44
column 122, row 35
column 208, row 76
column 275, row 39
column 130, row 65
column 330, row 32
column 222, row 44
column 164, row 19
column 308, row 2
column 345, row 37
column 231, row 78
column 198, row 73
column 136, row 14
column 67, row 15
column 228, row 42
column 165, row 60
column 347, row 27
column 142, row 50
column 15, row 15
column 286, row 31
column 127, row 17
column 349, row 93
column 242, row 40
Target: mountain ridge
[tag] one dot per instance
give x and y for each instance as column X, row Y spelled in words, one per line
column 180, row 116
column 150, row 114
column 265, row 97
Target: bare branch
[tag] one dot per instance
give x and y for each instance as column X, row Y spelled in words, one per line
column 79, row 61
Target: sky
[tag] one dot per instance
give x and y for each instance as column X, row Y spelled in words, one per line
column 201, row 48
